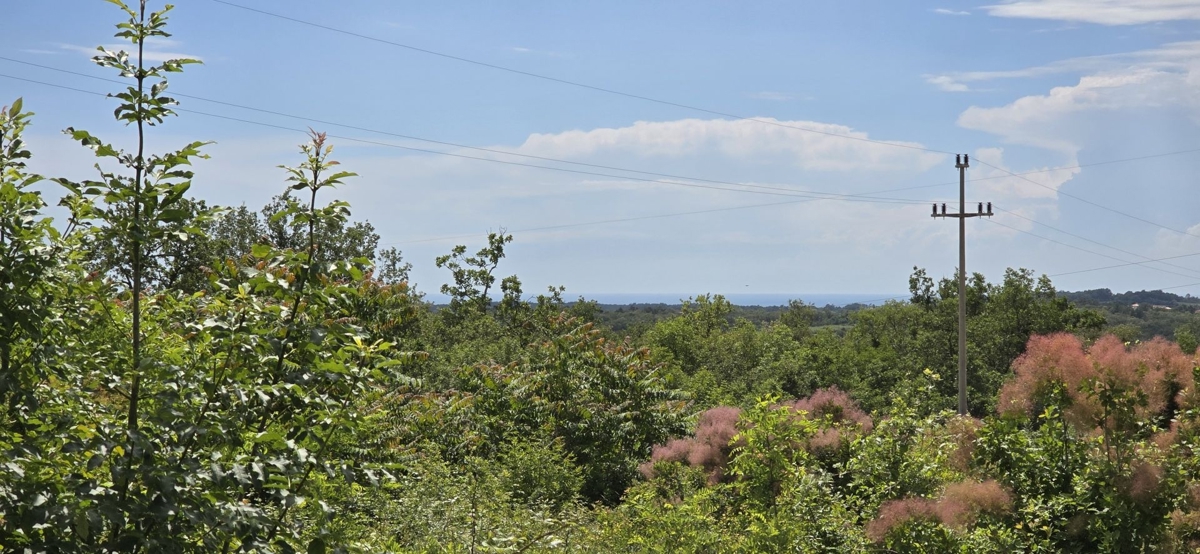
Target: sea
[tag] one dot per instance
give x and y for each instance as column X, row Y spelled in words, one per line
column 748, row 299
column 737, row 299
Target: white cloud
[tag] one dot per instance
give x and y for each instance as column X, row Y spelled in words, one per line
column 1169, row 243
column 740, row 140
column 1172, row 56
column 151, row 54
column 775, row 96
column 38, row 51
column 999, row 185
column 946, row 83
column 945, row 11
column 1051, row 121
column 1103, row 12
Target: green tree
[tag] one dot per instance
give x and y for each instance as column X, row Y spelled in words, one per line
column 474, row 277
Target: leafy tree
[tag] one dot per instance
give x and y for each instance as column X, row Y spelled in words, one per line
column 338, row 239
column 28, row 243
column 604, row 401
column 474, row 276
column 179, row 422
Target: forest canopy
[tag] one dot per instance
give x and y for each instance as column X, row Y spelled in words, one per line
column 182, row 377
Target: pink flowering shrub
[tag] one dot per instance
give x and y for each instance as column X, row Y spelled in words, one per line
column 963, row 502
column 959, row 507
column 839, row 416
column 895, row 513
column 1156, row 371
column 836, row 406
column 708, row 449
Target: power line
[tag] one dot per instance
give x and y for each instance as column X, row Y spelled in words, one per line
column 1123, row 265
column 787, row 193
column 584, row 164
column 1093, row 252
column 601, row 222
column 606, row 221
column 572, row 83
column 439, row 142
column 809, row 195
column 1083, row 238
column 791, row 191
column 1086, row 201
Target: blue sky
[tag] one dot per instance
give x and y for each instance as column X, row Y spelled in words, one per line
column 1026, row 86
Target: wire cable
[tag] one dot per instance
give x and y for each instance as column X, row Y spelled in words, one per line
column 571, row 83
column 1086, row 201
column 809, row 197
column 605, row 221
column 1083, row 238
column 441, row 142
column 600, row 222
column 584, row 164
column 1123, row 265
column 782, row 191
column 1093, row 252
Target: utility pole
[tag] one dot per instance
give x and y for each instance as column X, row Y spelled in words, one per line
column 962, row 163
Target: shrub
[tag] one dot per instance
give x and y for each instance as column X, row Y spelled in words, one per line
column 961, row 503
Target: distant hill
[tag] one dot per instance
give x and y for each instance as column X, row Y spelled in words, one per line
column 1104, row 297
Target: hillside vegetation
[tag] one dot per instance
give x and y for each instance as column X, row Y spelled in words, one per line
column 179, row 377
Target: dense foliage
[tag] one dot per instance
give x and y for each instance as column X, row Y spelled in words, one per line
column 179, row 377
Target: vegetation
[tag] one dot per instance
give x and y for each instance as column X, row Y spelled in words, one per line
column 178, row 377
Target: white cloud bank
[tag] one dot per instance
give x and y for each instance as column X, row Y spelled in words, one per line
column 1103, row 12
column 1051, row 121
column 944, row 11
column 1164, row 77
column 788, row 142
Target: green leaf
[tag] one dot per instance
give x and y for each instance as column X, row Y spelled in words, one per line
column 316, row 546
column 260, row 250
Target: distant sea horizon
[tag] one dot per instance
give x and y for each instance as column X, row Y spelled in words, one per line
column 749, row 299
column 737, row 299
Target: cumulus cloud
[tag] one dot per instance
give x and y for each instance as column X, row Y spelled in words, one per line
column 998, row 185
column 768, row 242
column 789, row 142
column 1155, row 78
column 1103, row 12
column 1168, row 243
column 1050, row 121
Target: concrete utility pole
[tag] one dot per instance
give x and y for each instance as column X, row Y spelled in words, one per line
column 962, row 163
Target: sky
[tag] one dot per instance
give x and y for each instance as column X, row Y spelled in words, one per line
column 1053, row 90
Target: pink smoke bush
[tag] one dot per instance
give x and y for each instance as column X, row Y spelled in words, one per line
column 1157, row 368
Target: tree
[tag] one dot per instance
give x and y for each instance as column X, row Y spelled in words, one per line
column 474, row 276
column 161, row 421
column 27, row 257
